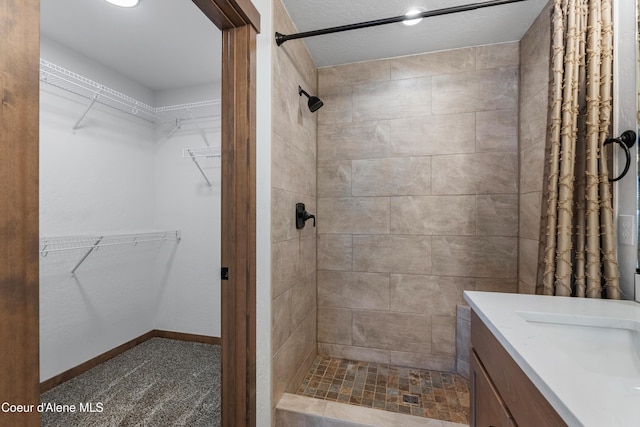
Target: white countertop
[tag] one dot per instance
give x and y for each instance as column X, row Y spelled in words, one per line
column 545, row 335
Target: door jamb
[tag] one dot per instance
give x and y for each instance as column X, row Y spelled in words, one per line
column 19, row 199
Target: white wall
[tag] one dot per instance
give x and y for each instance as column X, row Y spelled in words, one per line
column 97, row 179
column 624, row 117
column 116, row 174
column 263, row 214
column 188, row 279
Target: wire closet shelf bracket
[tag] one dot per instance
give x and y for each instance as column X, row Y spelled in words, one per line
column 89, row 244
column 201, row 153
column 95, row 92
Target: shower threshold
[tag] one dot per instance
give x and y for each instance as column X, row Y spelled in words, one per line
column 431, row 394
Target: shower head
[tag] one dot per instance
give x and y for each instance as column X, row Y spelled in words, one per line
column 314, row 102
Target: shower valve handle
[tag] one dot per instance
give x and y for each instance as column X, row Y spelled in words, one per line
column 302, row 216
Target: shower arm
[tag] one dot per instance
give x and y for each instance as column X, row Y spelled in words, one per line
column 281, row 38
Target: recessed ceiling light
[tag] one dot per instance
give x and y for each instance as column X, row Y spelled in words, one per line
column 411, row 13
column 124, row 3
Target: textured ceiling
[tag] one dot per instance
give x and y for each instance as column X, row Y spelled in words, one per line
column 165, row 44
column 161, row 44
column 490, row 25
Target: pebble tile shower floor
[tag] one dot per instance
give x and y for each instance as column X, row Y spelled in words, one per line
column 431, row 394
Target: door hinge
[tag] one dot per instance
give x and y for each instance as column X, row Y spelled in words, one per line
column 224, row 273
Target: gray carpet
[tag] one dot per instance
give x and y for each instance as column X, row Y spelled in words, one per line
column 160, row 382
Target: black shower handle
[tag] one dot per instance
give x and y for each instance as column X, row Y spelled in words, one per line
column 306, row 215
column 302, row 216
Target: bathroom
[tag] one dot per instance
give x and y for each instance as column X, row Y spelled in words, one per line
column 306, row 314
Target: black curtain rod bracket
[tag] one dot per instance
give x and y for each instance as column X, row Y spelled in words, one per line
column 281, row 38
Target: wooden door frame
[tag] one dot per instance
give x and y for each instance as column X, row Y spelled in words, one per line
column 19, row 207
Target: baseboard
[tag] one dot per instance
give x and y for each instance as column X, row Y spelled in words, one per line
column 92, row 363
column 180, row 336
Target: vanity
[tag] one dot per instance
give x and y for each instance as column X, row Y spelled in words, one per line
column 554, row 361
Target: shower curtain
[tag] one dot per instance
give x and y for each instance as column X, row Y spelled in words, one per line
column 578, row 247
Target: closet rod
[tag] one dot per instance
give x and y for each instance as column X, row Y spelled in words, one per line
column 93, row 243
column 281, row 38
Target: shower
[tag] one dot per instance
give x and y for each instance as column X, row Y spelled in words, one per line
column 314, row 102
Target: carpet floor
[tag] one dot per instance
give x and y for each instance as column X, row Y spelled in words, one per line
column 160, row 382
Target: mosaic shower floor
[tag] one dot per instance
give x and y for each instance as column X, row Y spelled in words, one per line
column 431, row 394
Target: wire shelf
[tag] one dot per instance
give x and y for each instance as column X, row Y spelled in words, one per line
column 210, row 109
column 203, row 154
column 190, row 153
column 94, row 92
column 89, row 244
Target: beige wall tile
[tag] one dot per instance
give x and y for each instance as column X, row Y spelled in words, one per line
column 392, row 254
column 280, row 320
column 345, row 415
column 494, row 89
column 497, row 285
column 391, row 177
column 431, row 64
column 497, row 55
column 292, row 261
column 437, row 215
column 290, row 419
column 463, row 346
column 292, row 355
column 293, row 169
column 334, row 178
column 429, row 135
column 532, row 168
column 334, row 325
column 288, row 117
column 497, row 130
column 430, row 295
column 303, row 299
column 475, row 256
column 293, row 52
column 353, row 141
column 353, row 290
column 335, row 252
column 430, row 361
column 332, row 79
column 443, row 335
column 525, row 288
column 355, row 215
column 528, row 261
column 283, row 218
column 392, row 100
column 535, row 48
column 533, row 119
column 480, row 173
column 497, row 215
column 353, row 353
column 463, row 311
column 337, row 108
column 392, row 331
column 294, row 402
column 530, row 215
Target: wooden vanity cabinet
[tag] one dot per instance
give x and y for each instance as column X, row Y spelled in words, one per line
column 487, row 407
column 501, row 393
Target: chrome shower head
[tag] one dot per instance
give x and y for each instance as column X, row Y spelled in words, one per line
column 314, row 102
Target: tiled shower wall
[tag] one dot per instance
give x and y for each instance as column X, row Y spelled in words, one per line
column 534, row 94
column 417, row 199
column 293, row 157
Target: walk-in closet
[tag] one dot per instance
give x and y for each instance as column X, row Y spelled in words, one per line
column 130, row 207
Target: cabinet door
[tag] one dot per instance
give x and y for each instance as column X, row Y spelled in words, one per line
column 487, row 408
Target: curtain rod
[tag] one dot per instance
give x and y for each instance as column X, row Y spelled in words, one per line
column 281, row 38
